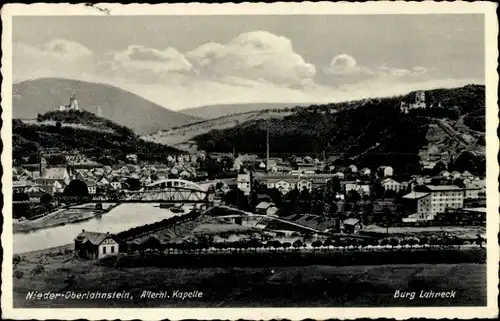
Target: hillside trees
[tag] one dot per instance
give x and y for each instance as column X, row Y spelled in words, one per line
column 374, row 129
column 467, row 161
column 237, row 198
column 28, row 140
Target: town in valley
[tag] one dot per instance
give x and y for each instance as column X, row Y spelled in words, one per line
column 212, row 204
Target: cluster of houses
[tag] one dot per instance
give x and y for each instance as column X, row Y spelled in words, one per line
column 301, row 173
column 37, row 180
column 350, row 179
column 425, row 196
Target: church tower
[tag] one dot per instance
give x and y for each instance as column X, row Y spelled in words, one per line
column 43, row 165
column 99, row 111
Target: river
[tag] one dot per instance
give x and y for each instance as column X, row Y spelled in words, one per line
column 120, row 218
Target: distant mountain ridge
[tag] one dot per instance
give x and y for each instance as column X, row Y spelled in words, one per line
column 33, row 97
column 222, row 110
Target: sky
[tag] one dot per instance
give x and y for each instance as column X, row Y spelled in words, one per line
column 189, row 61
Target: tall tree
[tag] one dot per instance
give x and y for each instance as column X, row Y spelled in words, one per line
column 237, row 198
column 387, row 216
column 76, row 188
column 438, row 168
column 353, row 196
column 377, row 191
column 133, row 183
column 276, row 196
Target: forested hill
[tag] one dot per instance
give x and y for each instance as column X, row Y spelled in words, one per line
column 373, row 131
column 82, row 131
column 33, row 97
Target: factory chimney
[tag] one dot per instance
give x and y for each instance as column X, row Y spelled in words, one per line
column 267, row 147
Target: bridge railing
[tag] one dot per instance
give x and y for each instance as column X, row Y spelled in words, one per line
column 179, row 195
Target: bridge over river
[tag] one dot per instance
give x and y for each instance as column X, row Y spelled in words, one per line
column 168, row 190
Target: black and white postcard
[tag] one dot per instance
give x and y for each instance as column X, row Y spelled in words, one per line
column 250, row 161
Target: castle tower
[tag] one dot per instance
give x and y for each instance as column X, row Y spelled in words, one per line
column 420, row 97
column 99, row 111
column 43, row 165
column 73, row 105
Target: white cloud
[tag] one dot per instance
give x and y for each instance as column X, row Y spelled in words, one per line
column 57, row 58
column 345, row 65
column 344, row 70
column 145, row 64
column 68, row 50
column 253, row 55
column 139, row 57
column 400, row 72
column 252, row 67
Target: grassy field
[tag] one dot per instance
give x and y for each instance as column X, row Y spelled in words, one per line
column 185, row 133
column 269, row 286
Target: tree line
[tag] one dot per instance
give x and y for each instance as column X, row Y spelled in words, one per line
column 205, row 244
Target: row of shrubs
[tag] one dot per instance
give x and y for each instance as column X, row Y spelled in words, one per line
column 153, row 243
column 296, row 258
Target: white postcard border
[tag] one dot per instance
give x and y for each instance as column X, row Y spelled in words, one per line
column 375, row 7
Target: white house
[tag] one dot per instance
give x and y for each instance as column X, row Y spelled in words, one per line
column 304, row 184
column 365, row 172
column 92, row 188
column 237, row 164
column 475, row 189
column 271, row 210
column 185, row 174
column 385, row 171
column 225, row 188
column 262, row 207
column 445, row 174
column 455, row 175
column 390, row 184
column 282, row 185
column 103, row 182
column 353, row 168
column 132, row 158
column 273, row 166
column 116, row 183
column 243, row 183
column 467, row 177
column 94, row 245
column 339, row 175
column 58, row 173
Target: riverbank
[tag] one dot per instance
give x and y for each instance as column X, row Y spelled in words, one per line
column 61, row 217
column 313, row 285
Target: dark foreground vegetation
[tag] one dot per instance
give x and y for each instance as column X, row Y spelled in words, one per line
column 258, row 259
column 268, row 286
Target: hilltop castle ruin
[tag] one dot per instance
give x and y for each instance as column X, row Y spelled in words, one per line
column 418, row 103
column 73, row 105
